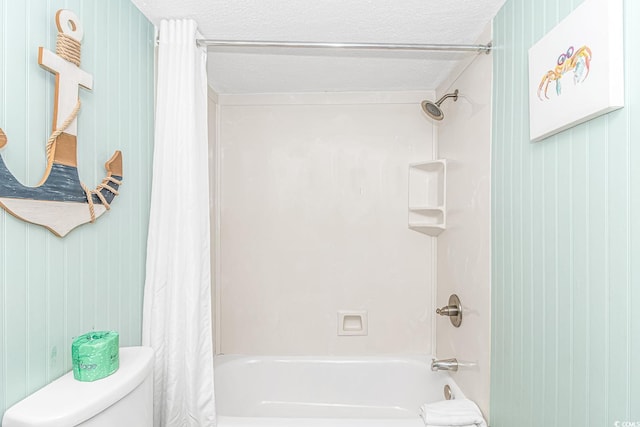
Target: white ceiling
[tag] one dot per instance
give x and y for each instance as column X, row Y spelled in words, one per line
column 274, row 70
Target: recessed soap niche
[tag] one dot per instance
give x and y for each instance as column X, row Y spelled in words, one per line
column 353, row 322
column 428, row 197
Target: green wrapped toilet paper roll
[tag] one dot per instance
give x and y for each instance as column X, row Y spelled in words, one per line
column 95, row 355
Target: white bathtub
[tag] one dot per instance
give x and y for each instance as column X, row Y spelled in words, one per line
column 325, row 392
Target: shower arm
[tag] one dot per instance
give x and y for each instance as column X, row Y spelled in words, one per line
column 453, row 95
column 478, row 48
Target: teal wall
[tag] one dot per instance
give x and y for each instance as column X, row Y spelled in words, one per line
column 53, row 289
column 565, row 244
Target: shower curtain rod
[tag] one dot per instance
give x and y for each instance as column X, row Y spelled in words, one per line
column 479, row 48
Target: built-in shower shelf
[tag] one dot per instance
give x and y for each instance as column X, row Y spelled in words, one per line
column 427, row 197
column 431, row 230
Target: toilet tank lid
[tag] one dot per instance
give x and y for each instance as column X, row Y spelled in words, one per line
column 68, row 402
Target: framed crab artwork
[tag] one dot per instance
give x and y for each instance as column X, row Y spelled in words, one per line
column 576, row 71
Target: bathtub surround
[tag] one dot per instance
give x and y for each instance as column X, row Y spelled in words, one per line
column 565, row 242
column 313, row 220
column 464, row 261
column 54, row 289
column 177, row 296
column 212, row 129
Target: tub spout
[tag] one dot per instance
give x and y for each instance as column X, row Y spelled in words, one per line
column 444, row 365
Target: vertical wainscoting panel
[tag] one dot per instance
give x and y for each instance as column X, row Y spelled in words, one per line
column 565, row 242
column 53, row 289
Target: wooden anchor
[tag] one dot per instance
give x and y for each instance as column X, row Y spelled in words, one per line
column 60, row 202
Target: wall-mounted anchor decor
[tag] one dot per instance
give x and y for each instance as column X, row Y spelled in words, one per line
column 60, row 202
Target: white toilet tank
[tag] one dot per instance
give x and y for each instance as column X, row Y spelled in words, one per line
column 124, row 399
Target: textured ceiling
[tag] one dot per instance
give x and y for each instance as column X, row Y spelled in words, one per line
column 268, row 70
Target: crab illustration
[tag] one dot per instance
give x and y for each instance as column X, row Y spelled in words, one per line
column 577, row 61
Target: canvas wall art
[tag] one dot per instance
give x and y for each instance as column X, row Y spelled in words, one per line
column 576, row 71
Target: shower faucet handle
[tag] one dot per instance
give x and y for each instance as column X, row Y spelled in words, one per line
column 448, row 310
column 453, row 310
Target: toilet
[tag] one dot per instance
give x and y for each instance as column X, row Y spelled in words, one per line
column 123, row 399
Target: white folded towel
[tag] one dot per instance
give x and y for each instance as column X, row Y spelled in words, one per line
column 449, row 413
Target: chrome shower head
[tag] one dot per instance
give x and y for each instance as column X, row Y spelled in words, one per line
column 433, row 110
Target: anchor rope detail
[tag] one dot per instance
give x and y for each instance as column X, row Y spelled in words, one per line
column 97, row 192
column 51, row 142
column 69, row 49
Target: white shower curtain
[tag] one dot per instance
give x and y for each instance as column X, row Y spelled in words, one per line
column 177, row 296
